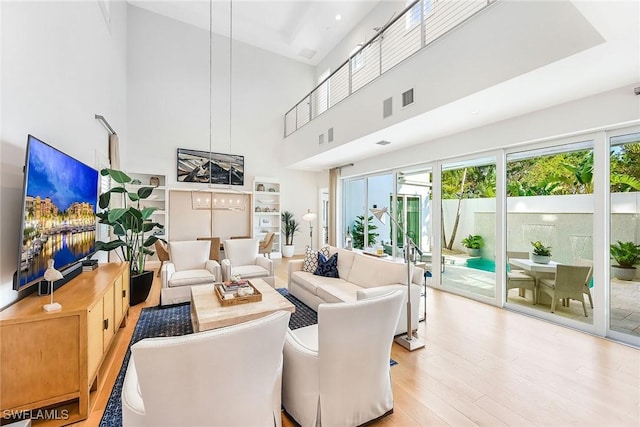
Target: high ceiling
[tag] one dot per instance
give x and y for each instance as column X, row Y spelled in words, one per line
column 302, row 30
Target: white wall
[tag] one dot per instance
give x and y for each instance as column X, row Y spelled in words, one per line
column 168, row 106
column 60, row 64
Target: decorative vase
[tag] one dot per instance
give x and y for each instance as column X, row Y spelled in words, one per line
column 140, row 285
column 623, row 273
column 288, row 250
column 540, row 259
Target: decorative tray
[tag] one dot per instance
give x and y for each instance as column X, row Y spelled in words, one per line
column 255, row 297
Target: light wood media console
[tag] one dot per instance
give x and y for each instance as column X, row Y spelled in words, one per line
column 50, row 363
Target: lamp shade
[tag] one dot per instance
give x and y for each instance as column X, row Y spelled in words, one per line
column 309, row 216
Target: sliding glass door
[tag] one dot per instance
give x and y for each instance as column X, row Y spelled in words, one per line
column 468, row 226
column 624, row 285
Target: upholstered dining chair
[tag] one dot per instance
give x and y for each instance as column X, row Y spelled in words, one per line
column 517, row 278
column 162, row 253
column 197, row 380
column 568, row 283
column 266, row 245
column 242, row 258
column 336, row 373
column 188, row 265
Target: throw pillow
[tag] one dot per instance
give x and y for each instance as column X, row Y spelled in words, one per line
column 310, row 263
column 327, row 267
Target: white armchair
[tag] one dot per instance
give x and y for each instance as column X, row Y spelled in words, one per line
column 197, row 380
column 337, row 373
column 242, row 258
column 188, row 265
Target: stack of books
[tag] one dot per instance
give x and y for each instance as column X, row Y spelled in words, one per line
column 232, row 287
column 89, row 264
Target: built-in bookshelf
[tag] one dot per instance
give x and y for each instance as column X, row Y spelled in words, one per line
column 266, row 211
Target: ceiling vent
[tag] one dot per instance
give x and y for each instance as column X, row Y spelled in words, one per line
column 387, row 107
column 383, row 142
column 330, row 135
column 407, row 98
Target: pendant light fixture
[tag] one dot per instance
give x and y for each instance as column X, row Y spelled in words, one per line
column 211, row 198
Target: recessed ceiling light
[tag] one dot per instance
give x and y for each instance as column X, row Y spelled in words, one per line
column 383, row 142
column 474, row 112
column 338, row 17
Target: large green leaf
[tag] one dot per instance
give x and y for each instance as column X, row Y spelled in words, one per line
column 109, row 246
column 146, row 212
column 115, row 214
column 118, row 176
column 144, row 192
column 133, row 196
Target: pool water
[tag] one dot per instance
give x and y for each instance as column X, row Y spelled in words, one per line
column 482, row 264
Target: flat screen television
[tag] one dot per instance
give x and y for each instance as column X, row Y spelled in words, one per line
column 210, row 168
column 58, row 212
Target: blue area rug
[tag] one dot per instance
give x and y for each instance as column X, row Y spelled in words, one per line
column 174, row 321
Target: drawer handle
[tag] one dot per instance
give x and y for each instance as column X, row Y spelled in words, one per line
column 106, row 324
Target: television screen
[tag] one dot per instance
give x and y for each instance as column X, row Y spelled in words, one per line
column 58, row 212
column 210, row 168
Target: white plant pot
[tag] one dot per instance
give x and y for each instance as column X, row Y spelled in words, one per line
column 622, row 273
column 473, row 251
column 539, row 259
column 288, row 250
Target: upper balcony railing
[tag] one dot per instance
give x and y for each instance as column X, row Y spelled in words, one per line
column 419, row 24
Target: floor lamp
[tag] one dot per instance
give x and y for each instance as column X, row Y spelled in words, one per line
column 310, row 217
column 408, row 341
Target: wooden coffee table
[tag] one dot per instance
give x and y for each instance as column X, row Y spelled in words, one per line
column 207, row 312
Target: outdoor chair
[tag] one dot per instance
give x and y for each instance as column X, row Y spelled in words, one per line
column 569, row 284
column 229, row 376
column 517, row 278
column 337, row 373
column 587, row 289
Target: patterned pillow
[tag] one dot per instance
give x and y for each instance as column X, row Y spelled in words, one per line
column 327, row 267
column 310, row 263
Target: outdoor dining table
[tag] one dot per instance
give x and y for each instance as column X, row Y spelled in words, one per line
column 536, row 270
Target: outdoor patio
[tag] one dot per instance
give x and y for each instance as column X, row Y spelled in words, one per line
column 625, row 297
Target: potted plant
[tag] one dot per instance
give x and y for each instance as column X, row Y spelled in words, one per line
column 627, row 255
column 541, row 254
column 291, row 227
column 132, row 228
column 473, row 243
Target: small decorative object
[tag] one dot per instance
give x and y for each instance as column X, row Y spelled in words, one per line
column 272, row 190
column 154, row 181
column 260, row 187
column 267, row 209
column 348, row 241
column 627, row 255
column 473, row 243
column 541, row 254
column 51, row 275
column 258, row 209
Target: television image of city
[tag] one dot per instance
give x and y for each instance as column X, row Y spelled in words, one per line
column 59, row 211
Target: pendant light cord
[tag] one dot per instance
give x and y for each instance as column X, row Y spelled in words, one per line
column 230, row 81
column 210, row 84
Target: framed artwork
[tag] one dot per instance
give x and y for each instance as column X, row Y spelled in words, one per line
column 210, row 168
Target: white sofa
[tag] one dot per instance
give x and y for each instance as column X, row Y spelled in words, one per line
column 361, row 276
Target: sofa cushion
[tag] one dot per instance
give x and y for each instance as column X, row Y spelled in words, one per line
column 369, row 272
column 249, row 271
column 338, row 292
column 327, row 267
column 345, row 260
column 191, row 277
column 310, row 263
column 310, row 282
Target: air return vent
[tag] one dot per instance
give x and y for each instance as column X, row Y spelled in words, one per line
column 321, row 138
column 407, row 98
column 387, row 107
column 330, row 135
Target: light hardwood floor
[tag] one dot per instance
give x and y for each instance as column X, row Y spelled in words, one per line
column 484, row 366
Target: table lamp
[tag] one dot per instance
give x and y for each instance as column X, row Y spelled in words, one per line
column 310, row 217
column 408, row 341
column 51, row 275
